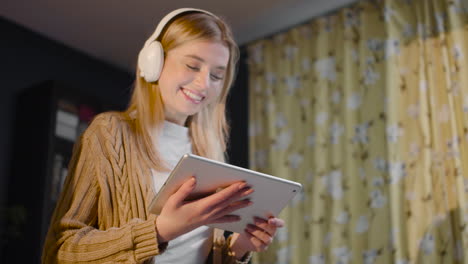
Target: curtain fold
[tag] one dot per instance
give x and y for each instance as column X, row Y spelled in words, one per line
column 367, row 108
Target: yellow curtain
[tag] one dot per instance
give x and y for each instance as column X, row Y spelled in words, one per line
column 367, row 108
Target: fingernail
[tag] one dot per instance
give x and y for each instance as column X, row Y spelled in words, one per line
column 242, row 185
column 248, row 202
column 248, row 192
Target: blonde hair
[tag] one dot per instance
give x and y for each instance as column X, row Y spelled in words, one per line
column 208, row 128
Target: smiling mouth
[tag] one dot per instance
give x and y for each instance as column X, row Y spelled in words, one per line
column 192, row 96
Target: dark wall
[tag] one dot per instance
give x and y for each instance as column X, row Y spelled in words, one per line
column 28, row 58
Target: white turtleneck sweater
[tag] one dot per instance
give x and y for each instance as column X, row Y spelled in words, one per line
column 192, row 247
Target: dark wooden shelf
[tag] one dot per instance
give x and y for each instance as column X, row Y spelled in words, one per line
column 40, row 160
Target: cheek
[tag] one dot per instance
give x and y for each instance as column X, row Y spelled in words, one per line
column 215, row 93
column 174, row 76
column 163, row 89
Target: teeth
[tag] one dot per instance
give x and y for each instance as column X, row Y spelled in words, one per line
column 192, row 95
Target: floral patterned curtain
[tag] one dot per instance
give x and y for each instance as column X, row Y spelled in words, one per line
column 367, row 108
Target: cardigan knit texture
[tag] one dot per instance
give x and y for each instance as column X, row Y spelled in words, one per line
column 102, row 214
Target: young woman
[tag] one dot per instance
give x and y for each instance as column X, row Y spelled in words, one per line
column 184, row 74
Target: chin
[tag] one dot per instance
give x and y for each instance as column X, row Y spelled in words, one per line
column 192, row 112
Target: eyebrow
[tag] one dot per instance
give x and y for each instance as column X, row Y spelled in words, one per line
column 202, row 60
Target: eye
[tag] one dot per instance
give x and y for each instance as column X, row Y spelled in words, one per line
column 216, row 77
column 193, row 68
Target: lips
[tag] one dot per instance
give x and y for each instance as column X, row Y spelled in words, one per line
column 192, row 96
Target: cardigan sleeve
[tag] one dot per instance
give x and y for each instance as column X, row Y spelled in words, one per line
column 73, row 236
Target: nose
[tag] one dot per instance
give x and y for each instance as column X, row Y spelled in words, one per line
column 202, row 80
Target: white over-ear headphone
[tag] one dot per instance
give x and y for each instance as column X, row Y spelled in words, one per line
column 151, row 56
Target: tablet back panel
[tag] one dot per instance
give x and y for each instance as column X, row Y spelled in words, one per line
column 271, row 194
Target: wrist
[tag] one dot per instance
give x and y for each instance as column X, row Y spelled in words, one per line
column 161, row 231
column 236, row 249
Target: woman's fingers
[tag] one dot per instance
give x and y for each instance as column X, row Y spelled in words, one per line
column 184, row 191
column 263, row 231
column 259, row 233
column 256, row 237
column 224, row 198
column 241, row 193
column 230, row 206
column 215, row 208
column 225, row 194
column 221, row 211
column 226, row 219
column 276, row 222
column 255, row 240
column 269, row 226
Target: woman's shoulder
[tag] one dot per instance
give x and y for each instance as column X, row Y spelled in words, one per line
column 109, row 123
column 110, row 118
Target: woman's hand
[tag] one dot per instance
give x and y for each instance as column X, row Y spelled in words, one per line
column 257, row 237
column 179, row 216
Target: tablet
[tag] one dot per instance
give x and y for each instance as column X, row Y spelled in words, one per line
column 271, row 194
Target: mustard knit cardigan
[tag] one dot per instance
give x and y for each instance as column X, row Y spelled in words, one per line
column 102, row 215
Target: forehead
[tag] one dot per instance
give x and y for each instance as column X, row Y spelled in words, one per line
column 214, row 53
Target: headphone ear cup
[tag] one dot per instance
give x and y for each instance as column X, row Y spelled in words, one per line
column 150, row 61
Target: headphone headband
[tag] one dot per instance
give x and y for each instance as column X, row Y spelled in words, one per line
column 162, row 24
